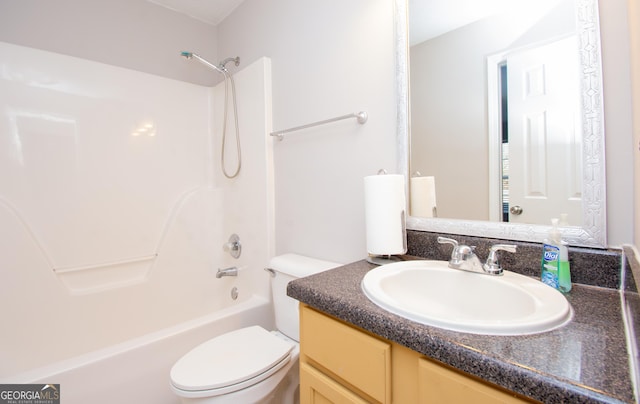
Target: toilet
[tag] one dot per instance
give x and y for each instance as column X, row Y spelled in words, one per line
column 251, row 364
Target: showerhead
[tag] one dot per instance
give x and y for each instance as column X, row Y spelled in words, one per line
column 191, row 55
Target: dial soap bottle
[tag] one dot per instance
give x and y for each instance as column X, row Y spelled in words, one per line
column 555, row 261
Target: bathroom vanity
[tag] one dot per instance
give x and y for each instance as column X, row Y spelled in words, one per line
column 355, row 351
column 341, row 363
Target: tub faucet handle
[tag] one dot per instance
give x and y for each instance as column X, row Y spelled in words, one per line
column 233, row 246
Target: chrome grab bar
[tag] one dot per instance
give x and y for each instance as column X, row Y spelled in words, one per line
column 360, row 116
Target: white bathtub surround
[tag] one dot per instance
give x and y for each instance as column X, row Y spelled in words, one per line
column 249, row 198
column 136, row 371
column 113, row 210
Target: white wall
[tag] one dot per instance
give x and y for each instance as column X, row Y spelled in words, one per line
column 329, row 58
column 135, row 34
column 619, row 145
column 634, row 26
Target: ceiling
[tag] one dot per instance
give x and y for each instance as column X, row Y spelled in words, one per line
column 209, row 11
column 428, row 18
column 431, row 18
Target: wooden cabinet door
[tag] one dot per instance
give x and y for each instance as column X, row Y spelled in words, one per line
column 317, row 388
column 347, row 355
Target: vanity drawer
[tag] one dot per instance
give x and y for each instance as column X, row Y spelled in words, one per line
column 352, row 356
column 438, row 384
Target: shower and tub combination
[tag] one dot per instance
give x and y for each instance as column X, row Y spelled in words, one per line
column 123, row 257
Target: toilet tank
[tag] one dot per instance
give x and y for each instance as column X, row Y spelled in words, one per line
column 288, row 267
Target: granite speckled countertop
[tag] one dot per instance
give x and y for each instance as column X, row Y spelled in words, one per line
column 584, row 361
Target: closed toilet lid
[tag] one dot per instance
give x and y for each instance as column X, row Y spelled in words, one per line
column 230, row 359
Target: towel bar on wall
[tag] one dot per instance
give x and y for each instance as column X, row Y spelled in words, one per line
column 360, row 116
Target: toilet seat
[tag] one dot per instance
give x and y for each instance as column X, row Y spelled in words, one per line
column 231, row 362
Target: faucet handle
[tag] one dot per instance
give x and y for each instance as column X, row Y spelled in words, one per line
column 233, row 246
column 492, row 266
column 445, row 240
column 460, row 252
column 455, row 255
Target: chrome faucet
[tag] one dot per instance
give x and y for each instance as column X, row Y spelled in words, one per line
column 464, row 258
column 232, row 271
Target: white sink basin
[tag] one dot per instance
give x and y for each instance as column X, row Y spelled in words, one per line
column 431, row 293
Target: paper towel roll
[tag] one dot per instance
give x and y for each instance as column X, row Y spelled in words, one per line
column 423, row 196
column 385, row 205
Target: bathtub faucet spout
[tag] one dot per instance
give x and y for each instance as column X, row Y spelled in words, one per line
column 232, row 271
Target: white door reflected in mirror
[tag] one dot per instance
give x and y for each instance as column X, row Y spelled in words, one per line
column 445, row 125
column 542, row 168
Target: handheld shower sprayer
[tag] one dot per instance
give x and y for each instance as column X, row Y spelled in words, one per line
column 228, row 78
column 191, row 55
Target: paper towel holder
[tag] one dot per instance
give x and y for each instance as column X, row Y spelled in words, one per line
column 383, row 259
column 376, row 254
column 391, row 258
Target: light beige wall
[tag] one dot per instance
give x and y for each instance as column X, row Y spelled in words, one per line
column 134, row 34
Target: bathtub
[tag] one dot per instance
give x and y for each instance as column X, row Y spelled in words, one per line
column 137, row 371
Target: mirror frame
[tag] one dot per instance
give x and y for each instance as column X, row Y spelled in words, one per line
column 593, row 231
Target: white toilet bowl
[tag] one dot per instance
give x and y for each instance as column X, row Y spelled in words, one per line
column 249, row 365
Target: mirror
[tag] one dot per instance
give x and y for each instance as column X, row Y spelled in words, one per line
column 468, row 202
